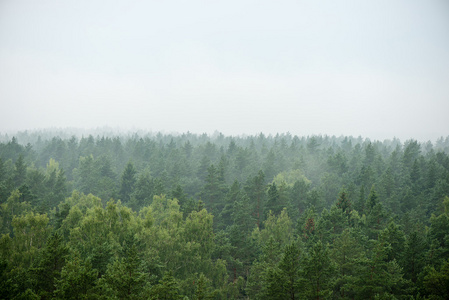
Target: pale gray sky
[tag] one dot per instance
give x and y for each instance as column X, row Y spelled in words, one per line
column 379, row 69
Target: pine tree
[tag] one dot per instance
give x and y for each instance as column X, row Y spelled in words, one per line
column 20, row 171
column 124, row 278
column 375, row 215
column 203, row 289
column 233, row 195
column 379, row 276
column 343, row 202
column 77, row 280
column 347, row 253
column 318, row 272
column 144, row 191
column 48, row 269
column 255, row 189
column 395, row 237
column 274, row 282
column 128, row 181
column 214, row 190
column 437, row 282
column 289, row 267
column 166, row 289
column 298, row 198
column 273, row 202
column 413, row 259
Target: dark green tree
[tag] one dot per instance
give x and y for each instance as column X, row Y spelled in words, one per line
column 48, row 269
column 298, row 198
column 318, row 273
column 255, row 189
column 413, row 258
column 375, row 215
column 348, row 255
column 273, row 200
column 233, row 195
column 343, row 202
column 144, row 191
column 290, row 268
column 214, row 190
column 395, row 237
column 20, row 171
column 77, row 280
column 437, row 282
column 124, row 278
column 166, row 289
column 204, row 290
column 127, row 182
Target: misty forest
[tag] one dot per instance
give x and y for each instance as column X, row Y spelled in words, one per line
column 190, row 216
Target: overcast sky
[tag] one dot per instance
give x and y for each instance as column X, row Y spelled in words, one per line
column 379, row 69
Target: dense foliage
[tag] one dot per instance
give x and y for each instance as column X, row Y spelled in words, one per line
column 154, row 216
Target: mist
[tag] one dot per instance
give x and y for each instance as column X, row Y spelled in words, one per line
column 377, row 69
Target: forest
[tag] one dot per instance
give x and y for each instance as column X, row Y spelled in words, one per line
column 145, row 215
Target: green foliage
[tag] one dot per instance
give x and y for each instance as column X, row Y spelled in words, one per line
column 277, row 227
column 277, row 217
column 124, row 278
column 12, row 208
column 127, row 183
column 166, row 289
column 318, row 272
column 348, row 256
column 290, row 178
column 439, row 238
column 48, row 269
column 77, row 279
column 437, row 282
column 290, row 267
column 203, row 289
column 20, row 171
column 30, row 233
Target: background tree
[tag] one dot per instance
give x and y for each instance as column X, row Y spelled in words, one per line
column 255, row 189
column 20, row 171
column 128, row 180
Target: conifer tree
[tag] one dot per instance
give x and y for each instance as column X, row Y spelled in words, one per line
column 255, row 189
column 318, row 272
column 273, row 202
column 20, row 171
column 124, row 278
column 289, row 267
column 77, row 279
column 348, row 254
column 343, row 202
column 413, row 258
column 128, row 181
column 48, row 269
column 436, row 282
column 166, row 289
column 203, row 289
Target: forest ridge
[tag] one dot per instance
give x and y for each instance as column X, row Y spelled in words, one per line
column 163, row 216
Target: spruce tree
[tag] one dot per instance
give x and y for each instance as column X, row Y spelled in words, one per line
column 128, row 181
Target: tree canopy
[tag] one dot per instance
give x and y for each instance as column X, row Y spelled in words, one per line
column 161, row 216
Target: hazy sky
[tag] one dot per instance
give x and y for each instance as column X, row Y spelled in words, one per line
column 379, row 69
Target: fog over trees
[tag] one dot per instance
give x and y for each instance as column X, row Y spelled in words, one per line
column 224, row 149
column 379, row 69
column 143, row 215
